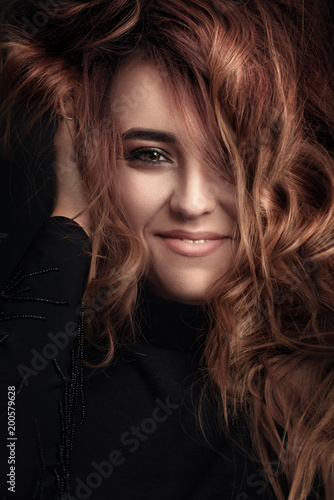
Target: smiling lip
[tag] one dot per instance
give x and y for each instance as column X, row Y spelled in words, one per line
column 191, row 244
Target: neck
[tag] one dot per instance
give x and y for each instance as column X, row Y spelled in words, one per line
column 169, row 324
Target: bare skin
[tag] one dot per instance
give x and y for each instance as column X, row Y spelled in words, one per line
column 69, row 198
column 183, row 213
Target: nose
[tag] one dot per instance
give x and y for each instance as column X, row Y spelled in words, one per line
column 195, row 192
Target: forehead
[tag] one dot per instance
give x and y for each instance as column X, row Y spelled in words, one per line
column 141, row 97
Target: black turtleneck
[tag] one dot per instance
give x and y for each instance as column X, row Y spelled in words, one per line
column 169, row 324
column 140, row 438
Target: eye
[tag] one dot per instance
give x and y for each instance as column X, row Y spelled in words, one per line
column 151, row 156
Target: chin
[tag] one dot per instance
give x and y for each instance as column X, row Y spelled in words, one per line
column 194, row 292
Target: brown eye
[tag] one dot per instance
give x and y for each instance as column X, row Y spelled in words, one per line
column 148, row 156
column 151, row 155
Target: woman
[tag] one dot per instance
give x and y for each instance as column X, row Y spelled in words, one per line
column 193, row 153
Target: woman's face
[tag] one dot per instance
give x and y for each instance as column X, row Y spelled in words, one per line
column 182, row 211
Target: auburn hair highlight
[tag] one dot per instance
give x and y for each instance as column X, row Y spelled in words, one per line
column 260, row 75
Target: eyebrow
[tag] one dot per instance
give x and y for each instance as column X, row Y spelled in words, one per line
column 150, row 135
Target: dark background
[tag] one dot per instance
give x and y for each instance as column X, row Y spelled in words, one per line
column 26, row 192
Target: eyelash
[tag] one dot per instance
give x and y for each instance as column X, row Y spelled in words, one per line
column 136, row 153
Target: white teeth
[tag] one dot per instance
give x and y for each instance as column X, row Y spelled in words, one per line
column 194, row 241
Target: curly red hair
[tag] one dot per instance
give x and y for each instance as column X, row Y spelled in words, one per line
column 260, row 73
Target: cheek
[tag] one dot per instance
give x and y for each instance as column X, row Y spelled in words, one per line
column 228, row 199
column 142, row 196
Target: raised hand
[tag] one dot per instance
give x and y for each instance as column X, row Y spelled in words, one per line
column 69, row 199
